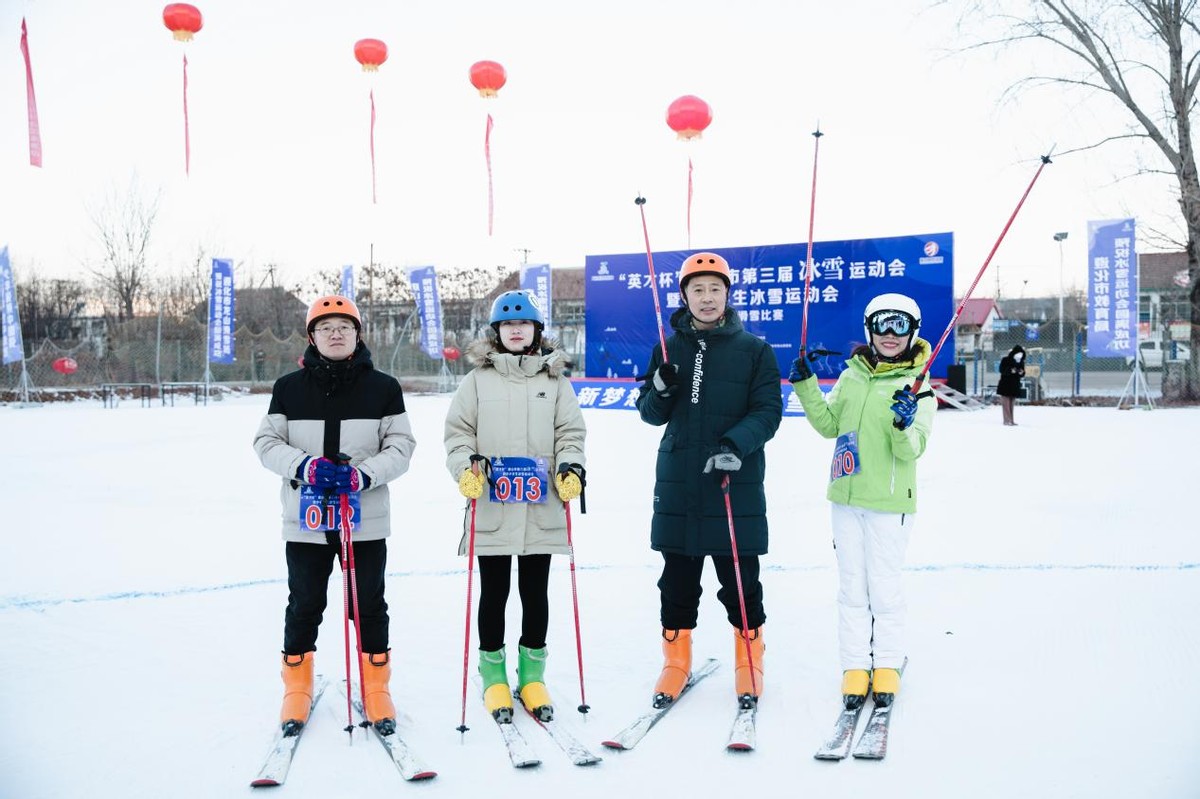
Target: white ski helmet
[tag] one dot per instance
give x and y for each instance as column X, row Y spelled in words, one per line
column 895, row 304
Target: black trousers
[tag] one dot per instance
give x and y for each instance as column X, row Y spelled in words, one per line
column 309, row 567
column 679, row 590
column 495, row 579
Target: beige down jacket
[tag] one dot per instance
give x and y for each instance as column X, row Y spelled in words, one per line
column 515, row 406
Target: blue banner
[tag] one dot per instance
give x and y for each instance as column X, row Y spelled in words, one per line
column 1112, row 289
column 621, row 395
column 10, row 317
column 535, row 278
column 220, row 312
column 767, row 291
column 348, row 282
column 429, row 307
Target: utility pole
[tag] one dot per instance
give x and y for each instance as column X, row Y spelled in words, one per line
column 524, row 254
column 1060, row 237
column 370, row 291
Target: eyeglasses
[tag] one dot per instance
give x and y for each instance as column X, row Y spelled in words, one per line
column 897, row 323
column 329, row 330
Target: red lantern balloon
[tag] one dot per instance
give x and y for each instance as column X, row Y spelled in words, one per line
column 451, row 353
column 65, row 366
column 488, row 77
column 370, row 53
column 688, row 116
column 182, row 20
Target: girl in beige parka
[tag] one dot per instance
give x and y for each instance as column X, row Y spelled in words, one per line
column 514, row 440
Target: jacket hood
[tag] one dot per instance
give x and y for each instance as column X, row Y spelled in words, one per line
column 484, row 353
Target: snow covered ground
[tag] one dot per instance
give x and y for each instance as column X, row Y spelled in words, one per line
column 1053, row 583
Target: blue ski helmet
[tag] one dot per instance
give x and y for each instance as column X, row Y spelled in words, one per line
column 519, row 305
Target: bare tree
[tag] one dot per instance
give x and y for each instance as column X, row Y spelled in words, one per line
column 50, row 308
column 124, row 224
column 1144, row 56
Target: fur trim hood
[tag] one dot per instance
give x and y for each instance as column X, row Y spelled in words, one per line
column 484, row 353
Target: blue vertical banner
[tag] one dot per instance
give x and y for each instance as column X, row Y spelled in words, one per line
column 1112, row 289
column 348, row 282
column 429, row 307
column 535, row 278
column 10, row 317
column 220, row 312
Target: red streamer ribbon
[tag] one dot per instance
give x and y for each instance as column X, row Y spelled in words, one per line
column 487, row 154
column 372, row 146
column 35, row 133
column 187, row 137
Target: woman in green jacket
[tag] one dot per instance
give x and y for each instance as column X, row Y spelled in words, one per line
column 881, row 430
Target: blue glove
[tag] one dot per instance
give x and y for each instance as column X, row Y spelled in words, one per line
column 905, row 408
column 319, row 472
column 724, row 459
column 800, row 370
column 349, row 478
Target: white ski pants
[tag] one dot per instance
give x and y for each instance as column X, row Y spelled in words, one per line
column 870, row 549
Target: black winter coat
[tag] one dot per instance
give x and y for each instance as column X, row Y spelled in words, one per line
column 1011, row 372
column 728, row 391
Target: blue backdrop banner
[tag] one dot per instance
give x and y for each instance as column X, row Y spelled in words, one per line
column 536, row 279
column 429, row 307
column 220, row 312
column 10, row 317
column 348, row 283
column 1112, row 289
column 768, row 293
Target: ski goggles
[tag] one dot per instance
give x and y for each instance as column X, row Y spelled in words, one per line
column 896, row 323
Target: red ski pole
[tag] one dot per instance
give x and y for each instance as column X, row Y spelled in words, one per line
column 808, row 262
column 662, row 336
column 737, row 573
column 584, row 707
column 958, row 311
column 462, row 725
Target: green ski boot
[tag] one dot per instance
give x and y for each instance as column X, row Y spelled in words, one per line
column 497, row 696
column 531, row 686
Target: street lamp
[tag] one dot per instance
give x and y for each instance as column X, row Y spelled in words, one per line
column 1060, row 237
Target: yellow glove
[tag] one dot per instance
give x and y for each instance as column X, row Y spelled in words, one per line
column 470, row 485
column 568, row 486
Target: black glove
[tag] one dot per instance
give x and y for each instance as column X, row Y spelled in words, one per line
column 800, row 371
column 905, row 408
column 666, row 378
column 724, row 459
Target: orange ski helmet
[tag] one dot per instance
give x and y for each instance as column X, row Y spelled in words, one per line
column 704, row 263
column 332, row 305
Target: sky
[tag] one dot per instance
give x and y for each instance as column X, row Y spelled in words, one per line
column 142, row 594
column 917, row 139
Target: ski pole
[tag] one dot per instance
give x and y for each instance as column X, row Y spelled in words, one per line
column 462, row 725
column 584, row 707
column 350, row 602
column 808, row 261
column 662, row 337
column 737, row 573
column 958, row 311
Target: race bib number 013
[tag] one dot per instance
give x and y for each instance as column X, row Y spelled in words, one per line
column 845, row 457
column 519, row 480
column 318, row 514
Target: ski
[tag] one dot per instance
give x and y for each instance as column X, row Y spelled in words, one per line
column 520, row 753
column 279, row 758
column 837, row 747
column 631, row 735
column 872, row 744
column 580, row 755
column 743, row 735
column 410, row 766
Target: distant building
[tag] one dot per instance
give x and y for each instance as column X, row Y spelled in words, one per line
column 1164, row 310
